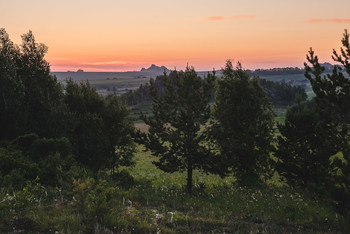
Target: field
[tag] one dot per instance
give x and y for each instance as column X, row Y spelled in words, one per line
column 109, row 82
column 152, row 201
column 218, row 205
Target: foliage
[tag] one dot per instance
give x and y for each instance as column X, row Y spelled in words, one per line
column 243, row 124
column 281, row 93
column 99, row 128
column 29, row 157
column 33, row 101
column 305, row 146
column 30, row 96
column 332, row 96
column 15, row 169
column 132, row 97
column 10, row 86
column 276, row 71
column 180, row 111
column 332, row 90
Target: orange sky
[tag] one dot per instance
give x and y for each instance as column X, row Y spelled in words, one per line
column 119, row 35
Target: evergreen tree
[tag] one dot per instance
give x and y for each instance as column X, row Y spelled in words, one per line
column 177, row 128
column 305, row 146
column 332, row 96
column 281, row 93
column 243, row 123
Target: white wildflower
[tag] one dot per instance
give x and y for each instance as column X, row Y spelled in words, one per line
column 172, row 216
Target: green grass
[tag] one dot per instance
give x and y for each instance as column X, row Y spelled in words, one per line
column 157, row 202
column 145, row 170
column 218, row 205
column 280, row 119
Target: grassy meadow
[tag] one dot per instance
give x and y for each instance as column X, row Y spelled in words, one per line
column 219, row 205
column 152, row 201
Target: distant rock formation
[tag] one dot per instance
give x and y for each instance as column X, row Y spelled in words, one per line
column 154, row 68
column 327, row 66
column 80, row 70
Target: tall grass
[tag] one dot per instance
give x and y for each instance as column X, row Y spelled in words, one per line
column 157, row 202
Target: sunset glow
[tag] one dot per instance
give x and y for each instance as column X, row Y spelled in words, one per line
column 113, row 35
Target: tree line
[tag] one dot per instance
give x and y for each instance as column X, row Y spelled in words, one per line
column 51, row 132
column 285, row 70
column 279, row 93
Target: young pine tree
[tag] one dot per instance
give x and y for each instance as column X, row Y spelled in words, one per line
column 177, row 128
column 243, row 123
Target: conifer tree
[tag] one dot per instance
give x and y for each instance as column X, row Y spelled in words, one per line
column 305, row 146
column 244, row 123
column 180, row 108
column 333, row 98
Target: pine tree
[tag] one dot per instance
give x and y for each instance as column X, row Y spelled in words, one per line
column 244, row 123
column 305, row 146
column 180, row 108
column 332, row 96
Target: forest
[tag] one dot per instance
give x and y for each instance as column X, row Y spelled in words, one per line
column 211, row 156
column 279, row 93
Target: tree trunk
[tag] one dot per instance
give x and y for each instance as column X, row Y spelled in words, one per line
column 189, row 178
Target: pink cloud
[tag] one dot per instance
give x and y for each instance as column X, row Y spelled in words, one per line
column 215, row 18
column 331, row 20
column 106, row 63
column 221, row 18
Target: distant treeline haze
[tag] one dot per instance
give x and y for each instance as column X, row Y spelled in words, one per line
column 279, row 93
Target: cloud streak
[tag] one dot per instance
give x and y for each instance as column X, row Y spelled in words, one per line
column 215, row 18
column 223, row 18
column 330, row 20
column 111, row 66
column 106, row 63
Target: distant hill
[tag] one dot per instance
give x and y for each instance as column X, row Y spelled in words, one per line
column 155, row 68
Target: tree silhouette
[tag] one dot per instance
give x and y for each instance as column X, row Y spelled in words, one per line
column 332, row 96
column 244, row 121
column 176, row 130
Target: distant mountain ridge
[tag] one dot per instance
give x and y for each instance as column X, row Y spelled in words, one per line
column 155, row 68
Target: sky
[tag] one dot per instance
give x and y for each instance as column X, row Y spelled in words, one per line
column 126, row 35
